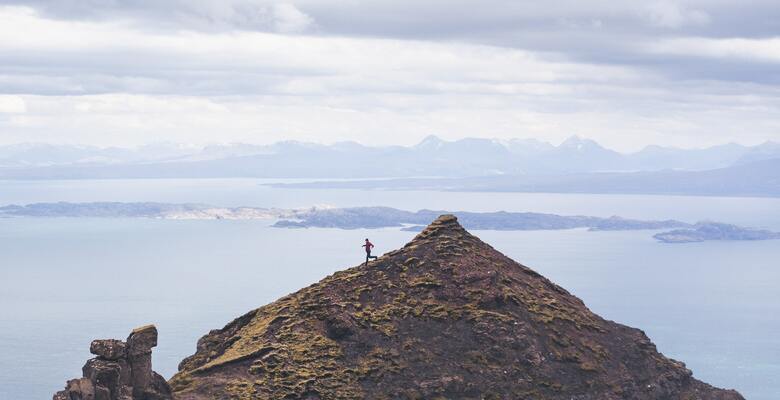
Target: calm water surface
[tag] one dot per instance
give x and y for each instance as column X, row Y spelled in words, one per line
column 758, row 212
column 64, row 282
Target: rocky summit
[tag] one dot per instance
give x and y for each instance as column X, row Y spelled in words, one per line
column 444, row 317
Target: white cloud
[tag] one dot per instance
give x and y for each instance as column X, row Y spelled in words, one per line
column 641, row 116
column 289, row 19
column 112, row 81
column 766, row 49
column 668, row 14
column 99, row 57
column 10, row 104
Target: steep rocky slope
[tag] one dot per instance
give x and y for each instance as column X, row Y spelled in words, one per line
column 446, row 317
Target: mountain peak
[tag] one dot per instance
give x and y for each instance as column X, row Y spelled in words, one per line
column 442, row 238
column 446, row 316
column 441, row 226
column 578, row 142
column 430, row 142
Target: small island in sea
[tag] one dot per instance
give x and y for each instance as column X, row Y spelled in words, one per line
column 714, row 231
column 388, row 217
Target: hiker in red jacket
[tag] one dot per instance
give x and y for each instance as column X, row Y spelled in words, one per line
column 368, row 247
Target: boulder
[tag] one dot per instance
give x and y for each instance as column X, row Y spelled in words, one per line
column 141, row 340
column 61, row 395
column 339, row 326
column 80, row 389
column 108, row 349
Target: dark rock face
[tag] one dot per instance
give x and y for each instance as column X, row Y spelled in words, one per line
column 445, row 317
column 139, row 354
column 108, row 349
column 121, row 371
column 338, row 327
column 77, row 389
column 107, row 374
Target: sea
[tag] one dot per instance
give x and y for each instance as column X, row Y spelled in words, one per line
column 66, row 281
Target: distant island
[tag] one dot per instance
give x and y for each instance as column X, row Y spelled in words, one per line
column 384, row 217
column 387, row 217
column 141, row 210
column 714, row 231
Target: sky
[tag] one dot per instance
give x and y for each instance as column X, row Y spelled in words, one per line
column 685, row 73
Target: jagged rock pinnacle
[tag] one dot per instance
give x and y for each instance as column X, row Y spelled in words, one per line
column 121, row 371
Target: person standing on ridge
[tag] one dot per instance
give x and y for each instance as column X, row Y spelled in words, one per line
column 368, row 247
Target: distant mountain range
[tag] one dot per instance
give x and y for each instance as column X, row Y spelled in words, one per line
column 755, row 179
column 432, row 157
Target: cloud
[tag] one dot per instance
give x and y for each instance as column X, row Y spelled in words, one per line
column 12, row 105
column 668, row 14
column 289, row 19
column 641, row 118
column 65, row 57
column 683, row 72
column 764, row 50
column 256, row 15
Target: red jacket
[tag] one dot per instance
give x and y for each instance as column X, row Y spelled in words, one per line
column 368, row 246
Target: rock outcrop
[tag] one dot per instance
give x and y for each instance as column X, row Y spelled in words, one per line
column 121, row 371
column 444, row 317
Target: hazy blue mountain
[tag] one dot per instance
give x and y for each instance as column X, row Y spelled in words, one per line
column 432, row 157
column 527, row 147
column 761, row 178
column 26, row 155
column 765, row 151
column 221, row 151
column 38, row 154
column 576, row 154
column 657, row 157
column 471, row 156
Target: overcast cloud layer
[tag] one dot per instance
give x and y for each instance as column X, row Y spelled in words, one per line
column 672, row 72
